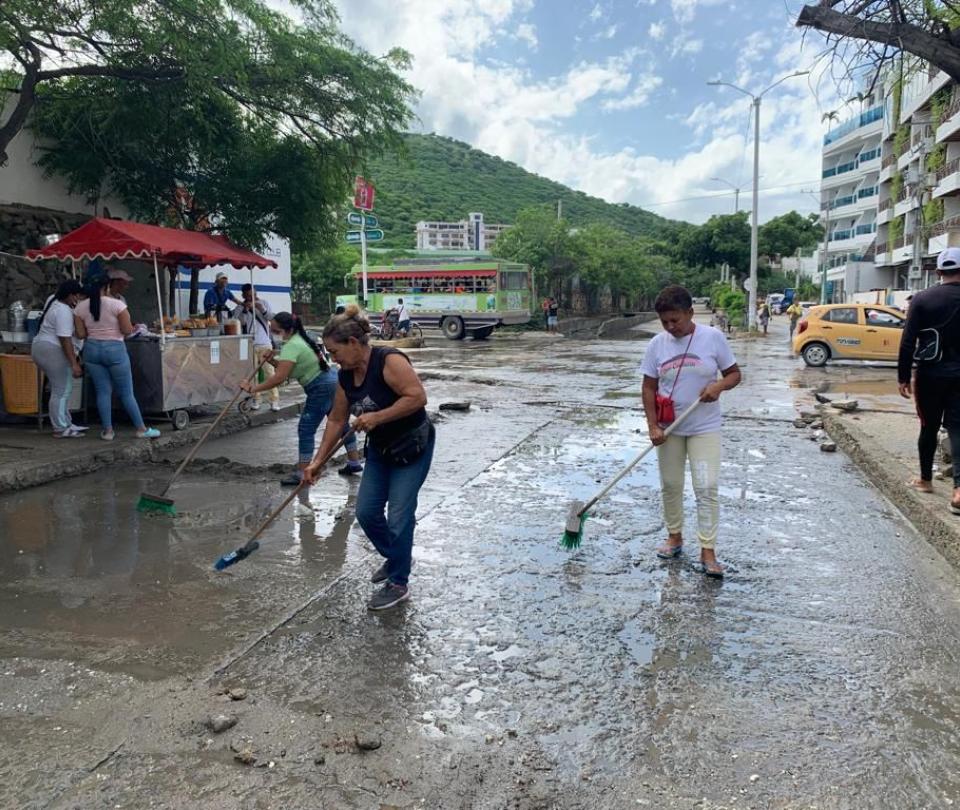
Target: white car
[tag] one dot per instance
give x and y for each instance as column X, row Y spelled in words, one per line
column 805, row 307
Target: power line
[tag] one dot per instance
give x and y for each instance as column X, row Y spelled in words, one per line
column 721, row 194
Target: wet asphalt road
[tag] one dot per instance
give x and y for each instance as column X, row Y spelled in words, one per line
column 821, row 673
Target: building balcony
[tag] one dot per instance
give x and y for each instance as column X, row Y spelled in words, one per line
column 849, row 240
column 882, row 255
column 905, row 204
column 947, row 179
column 920, row 90
column 903, row 249
column 861, row 126
column 949, row 129
column 884, row 211
column 943, row 234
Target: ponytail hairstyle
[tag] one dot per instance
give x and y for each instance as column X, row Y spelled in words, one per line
column 292, row 323
column 94, row 291
column 351, row 323
column 64, row 291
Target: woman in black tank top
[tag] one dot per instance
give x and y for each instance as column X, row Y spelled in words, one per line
column 380, row 389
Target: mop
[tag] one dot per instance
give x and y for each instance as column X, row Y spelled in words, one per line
column 254, row 542
column 577, row 516
column 160, row 503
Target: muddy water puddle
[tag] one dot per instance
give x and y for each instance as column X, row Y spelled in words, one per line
column 83, row 573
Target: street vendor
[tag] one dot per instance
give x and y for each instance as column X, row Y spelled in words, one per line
column 218, row 297
column 119, row 283
column 255, row 320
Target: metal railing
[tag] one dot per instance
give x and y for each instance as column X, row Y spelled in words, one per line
column 888, row 161
column 950, row 168
column 880, row 248
column 885, row 204
column 943, row 226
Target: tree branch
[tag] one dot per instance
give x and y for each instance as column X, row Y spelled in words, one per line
column 905, row 36
column 107, row 71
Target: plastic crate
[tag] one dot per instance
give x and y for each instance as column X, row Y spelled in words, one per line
column 21, row 384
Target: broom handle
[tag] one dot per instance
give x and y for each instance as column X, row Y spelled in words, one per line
column 638, row 459
column 296, row 491
column 209, row 430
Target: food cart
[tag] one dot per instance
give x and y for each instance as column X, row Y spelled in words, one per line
column 175, row 369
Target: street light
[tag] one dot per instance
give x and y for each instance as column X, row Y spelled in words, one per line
column 736, row 192
column 754, row 230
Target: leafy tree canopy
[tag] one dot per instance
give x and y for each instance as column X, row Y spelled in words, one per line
column 203, row 112
column 783, row 235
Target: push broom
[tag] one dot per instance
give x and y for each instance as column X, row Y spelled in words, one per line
column 254, row 542
column 579, row 511
column 161, row 503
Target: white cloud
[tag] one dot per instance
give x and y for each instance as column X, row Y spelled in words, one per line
column 684, row 10
column 656, row 31
column 505, row 110
column 685, row 45
column 527, row 33
column 644, row 87
column 597, row 13
column 611, row 32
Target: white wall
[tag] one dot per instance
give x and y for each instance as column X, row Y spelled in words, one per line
column 23, row 183
column 273, row 285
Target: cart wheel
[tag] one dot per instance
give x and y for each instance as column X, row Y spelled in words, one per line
column 245, row 405
column 180, row 420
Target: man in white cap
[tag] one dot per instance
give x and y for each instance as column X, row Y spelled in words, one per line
column 931, row 339
column 218, row 296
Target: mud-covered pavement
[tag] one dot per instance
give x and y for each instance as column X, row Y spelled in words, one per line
column 821, row 673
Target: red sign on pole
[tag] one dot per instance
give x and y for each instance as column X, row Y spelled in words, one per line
column 363, row 194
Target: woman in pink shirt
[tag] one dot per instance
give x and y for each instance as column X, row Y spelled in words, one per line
column 104, row 322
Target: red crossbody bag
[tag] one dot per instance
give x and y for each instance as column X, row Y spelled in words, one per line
column 666, row 411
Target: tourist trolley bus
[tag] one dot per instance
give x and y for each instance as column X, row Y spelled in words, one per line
column 460, row 297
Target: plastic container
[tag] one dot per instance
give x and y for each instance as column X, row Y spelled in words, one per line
column 21, row 384
column 33, row 322
column 231, row 327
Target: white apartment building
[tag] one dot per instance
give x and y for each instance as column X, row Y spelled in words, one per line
column 848, row 200
column 908, row 211
column 469, row 234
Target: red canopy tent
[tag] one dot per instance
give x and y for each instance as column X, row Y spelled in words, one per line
column 112, row 239
column 118, row 239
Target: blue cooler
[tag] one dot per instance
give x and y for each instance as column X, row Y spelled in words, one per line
column 33, row 322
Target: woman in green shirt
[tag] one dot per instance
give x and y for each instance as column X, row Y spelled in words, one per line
column 301, row 359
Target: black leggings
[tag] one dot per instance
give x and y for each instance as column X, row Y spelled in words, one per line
column 938, row 402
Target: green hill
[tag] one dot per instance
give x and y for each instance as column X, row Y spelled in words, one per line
column 443, row 179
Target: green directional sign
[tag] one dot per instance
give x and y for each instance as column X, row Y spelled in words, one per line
column 363, row 219
column 373, row 235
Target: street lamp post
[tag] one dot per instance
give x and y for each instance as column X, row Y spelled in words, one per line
column 736, row 192
column 754, row 228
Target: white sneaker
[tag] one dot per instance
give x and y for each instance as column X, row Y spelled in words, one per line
column 69, row 433
column 274, row 406
column 79, row 428
column 254, row 406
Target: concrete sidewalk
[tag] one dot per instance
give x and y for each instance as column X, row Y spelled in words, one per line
column 884, row 446
column 29, row 457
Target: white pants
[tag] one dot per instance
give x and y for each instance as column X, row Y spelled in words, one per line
column 260, row 351
column 704, row 454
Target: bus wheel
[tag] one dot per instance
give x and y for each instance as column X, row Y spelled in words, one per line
column 452, row 328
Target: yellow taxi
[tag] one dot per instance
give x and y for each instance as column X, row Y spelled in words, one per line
column 849, row 332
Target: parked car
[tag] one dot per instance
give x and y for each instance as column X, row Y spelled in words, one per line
column 806, row 306
column 849, row 332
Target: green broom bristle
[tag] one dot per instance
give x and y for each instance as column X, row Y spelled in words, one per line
column 572, row 540
column 150, row 505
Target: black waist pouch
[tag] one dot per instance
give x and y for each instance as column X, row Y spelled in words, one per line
column 407, row 448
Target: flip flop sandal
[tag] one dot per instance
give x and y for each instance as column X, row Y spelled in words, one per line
column 955, row 508
column 669, row 552
column 913, row 483
column 712, row 572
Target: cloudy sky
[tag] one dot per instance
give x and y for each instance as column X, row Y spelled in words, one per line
column 610, row 96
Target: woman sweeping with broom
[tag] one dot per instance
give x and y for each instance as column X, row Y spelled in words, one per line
column 381, row 389
column 684, row 363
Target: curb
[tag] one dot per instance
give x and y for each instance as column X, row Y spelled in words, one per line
column 19, row 477
column 928, row 514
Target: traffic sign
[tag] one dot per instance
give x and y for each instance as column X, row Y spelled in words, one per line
column 363, row 194
column 362, row 219
column 373, row 235
column 747, row 284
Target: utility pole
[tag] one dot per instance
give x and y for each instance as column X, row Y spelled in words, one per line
column 755, row 228
column 736, row 192
column 559, row 210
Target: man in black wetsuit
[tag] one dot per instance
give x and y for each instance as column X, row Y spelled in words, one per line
column 932, row 335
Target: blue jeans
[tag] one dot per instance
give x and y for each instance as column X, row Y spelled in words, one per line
column 109, row 367
column 384, row 485
column 320, row 393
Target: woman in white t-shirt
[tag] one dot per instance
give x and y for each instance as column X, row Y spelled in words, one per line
column 53, row 350
column 688, row 362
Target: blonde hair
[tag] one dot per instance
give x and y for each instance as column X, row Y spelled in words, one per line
column 351, row 323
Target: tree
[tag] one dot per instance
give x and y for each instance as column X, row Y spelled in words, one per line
column 320, row 274
column 783, row 235
column 303, row 78
column 258, row 128
column 873, row 32
column 724, row 238
column 542, row 241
